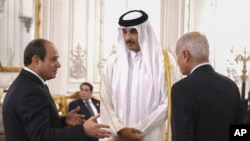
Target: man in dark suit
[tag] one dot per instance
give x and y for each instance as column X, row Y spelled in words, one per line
column 205, row 102
column 88, row 105
column 86, row 91
column 29, row 112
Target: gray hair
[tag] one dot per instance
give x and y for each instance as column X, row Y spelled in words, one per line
column 196, row 43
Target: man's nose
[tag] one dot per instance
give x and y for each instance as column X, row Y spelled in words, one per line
column 127, row 36
column 58, row 64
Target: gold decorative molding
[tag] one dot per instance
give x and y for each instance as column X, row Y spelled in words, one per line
column 37, row 18
column 37, row 35
column 9, row 69
column 244, row 58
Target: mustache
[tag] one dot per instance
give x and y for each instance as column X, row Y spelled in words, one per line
column 130, row 41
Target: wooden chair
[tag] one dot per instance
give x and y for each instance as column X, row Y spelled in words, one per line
column 59, row 104
column 62, row 102
column 68, row 99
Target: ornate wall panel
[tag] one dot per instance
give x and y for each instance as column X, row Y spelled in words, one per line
column 78, row 49
column 17, row 29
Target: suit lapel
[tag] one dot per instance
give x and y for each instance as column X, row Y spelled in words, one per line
column 49, row 96
column 97, row 105
column 39, row 82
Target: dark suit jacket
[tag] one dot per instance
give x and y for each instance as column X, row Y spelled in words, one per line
column 204, row 104
column 85, row 111
column 29, row 113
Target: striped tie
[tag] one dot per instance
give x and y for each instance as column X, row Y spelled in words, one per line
column 89, row 108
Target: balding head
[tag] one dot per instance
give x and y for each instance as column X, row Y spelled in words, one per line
column 192, row 49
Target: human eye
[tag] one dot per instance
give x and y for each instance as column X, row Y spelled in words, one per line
column 54, row 59
column 133, row 31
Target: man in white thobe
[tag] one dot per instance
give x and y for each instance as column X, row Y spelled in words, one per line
column 133, row 88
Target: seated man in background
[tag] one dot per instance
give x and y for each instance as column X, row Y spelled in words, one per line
column 86, row 90
column 88, row 105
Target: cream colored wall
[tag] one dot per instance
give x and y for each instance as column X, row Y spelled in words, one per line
column 13, row 35
column 89, row 28
column 91, row 25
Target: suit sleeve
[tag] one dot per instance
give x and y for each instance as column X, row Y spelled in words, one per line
column 72, row 106
column 41, row 120
column 182, row 117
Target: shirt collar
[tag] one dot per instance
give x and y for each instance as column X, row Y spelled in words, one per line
column 31, row 71
column 199, row 65
column 89, row 100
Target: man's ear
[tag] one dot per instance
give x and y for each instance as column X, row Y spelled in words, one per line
column 35, row 60
column 186, row 55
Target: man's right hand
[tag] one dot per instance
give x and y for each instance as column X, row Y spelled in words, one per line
column 73, row 118
column 93, row 129
column 129, row 134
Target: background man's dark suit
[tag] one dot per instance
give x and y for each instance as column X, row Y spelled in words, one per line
column 29, row 113
column 204, row 104
column 83, row 108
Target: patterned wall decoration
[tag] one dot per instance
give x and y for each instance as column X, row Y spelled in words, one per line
column 11, row 56
column 77, row 39
column 1, row 6
column 102, row 61
column 78, row 59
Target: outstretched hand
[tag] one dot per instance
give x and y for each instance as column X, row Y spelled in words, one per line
column 93, row 129
column 73, row 118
